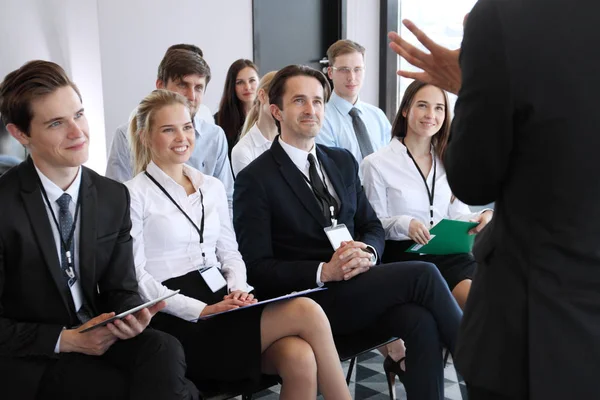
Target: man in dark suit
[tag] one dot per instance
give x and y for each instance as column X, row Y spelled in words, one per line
column 66, row 262
column 525, row 136
column 282, row 203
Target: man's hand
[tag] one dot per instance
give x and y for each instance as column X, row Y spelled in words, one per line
column 418, row 232
column 134, row 324
column 440, row 67
column 93, row 343
column 484, row 218
column 349, row 260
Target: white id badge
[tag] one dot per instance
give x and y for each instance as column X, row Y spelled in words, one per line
column 213, row 278
column 338, row 234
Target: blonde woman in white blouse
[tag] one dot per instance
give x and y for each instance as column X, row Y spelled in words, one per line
column 405, row 178
column 181, row 224
column 259, row 129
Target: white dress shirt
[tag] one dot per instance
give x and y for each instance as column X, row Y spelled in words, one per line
column 338, row 131
column 398, row 195
column 166, row 245
column 248, row 148
column 210, row 155
column 54, row 192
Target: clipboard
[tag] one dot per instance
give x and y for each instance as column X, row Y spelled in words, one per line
column 447, row 237
column 130, row 311
column 284, row 297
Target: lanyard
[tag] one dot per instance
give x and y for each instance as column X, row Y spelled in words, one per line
column 65, row 243
column 199, row 230
column 430, row 193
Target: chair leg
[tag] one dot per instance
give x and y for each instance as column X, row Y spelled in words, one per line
column 350, row 369
column 446, row 356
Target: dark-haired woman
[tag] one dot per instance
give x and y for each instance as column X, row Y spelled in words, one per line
column 407, row 186
column 238, row 96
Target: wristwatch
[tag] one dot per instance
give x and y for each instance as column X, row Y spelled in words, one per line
column 373, row 256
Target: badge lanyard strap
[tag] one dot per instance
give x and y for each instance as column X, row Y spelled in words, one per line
column 199, row 230
column 66, row 244
column 430, row 193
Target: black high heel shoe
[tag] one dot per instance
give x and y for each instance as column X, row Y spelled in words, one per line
column 392, row 369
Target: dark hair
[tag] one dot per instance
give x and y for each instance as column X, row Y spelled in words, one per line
column 278, row 84
column 231, row 115
column 19, row 88
column 179, row 62
column 189, row 47
column 400, row 126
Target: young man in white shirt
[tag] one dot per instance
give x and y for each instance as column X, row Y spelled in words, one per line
column 184, row 71
column 350, row 123
column 66, row 261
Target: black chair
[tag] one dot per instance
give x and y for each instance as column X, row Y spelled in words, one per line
column 223, row 391
column 349, row 347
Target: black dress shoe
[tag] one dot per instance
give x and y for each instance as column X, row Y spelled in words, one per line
column 392, row 369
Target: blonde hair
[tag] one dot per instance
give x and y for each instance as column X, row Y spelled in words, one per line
column 140, row 125
column 252, row 117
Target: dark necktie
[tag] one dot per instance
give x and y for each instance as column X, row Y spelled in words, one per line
column 360, row 130
column 65, row 221
column 324, row 198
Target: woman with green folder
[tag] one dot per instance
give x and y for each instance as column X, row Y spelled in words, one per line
column 407, row 186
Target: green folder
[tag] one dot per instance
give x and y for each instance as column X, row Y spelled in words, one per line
column 447, row 237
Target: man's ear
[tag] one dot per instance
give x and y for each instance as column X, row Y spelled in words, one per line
column 276, row 112
column 18, row 134
column 160, row 84
column 330, row 73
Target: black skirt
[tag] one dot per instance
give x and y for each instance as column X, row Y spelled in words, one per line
column 455, row 268
column 224, row 348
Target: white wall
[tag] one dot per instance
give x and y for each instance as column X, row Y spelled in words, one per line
column 65, row 32
column 135, row 34
column 363, row 27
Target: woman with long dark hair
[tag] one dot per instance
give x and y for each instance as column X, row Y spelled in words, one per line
column 407, row 186
column 237, row 99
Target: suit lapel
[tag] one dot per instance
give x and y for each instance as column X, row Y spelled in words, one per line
column 40, row 223
column 295, row 180
column 87, row 237
column 333, row 173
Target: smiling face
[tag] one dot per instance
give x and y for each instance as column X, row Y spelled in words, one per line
column 427, row 112
column 58, row 134
column 246, row 83
column 171, row 136
column 303, row 108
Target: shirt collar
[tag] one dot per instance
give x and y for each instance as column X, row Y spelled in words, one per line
column 344, row 106
column 399, row 147
column 257, row 137
column 298, row 157
column 54, row 192
column 196, row 177
column 198, row 122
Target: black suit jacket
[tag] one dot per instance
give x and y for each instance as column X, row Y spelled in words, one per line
column 525, row 135
column 35, row 303
column 279, row 224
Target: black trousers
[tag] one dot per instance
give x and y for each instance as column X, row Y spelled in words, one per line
column 149, row 366
column 409, row 300
column 476, row 393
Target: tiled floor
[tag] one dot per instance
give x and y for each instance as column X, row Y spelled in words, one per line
column 368, row 382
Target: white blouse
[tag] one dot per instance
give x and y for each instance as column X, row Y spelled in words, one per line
column 398, row 195
column 249, row 147
column 165, row 243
